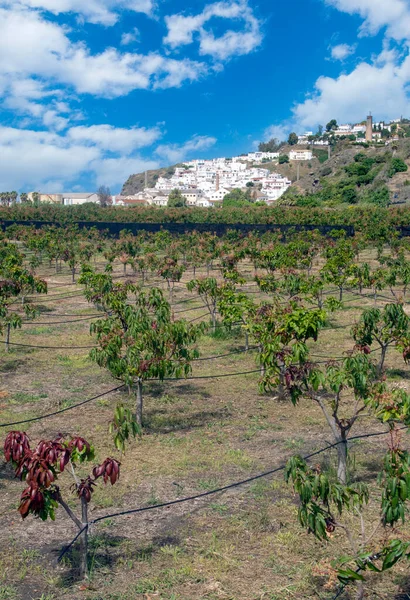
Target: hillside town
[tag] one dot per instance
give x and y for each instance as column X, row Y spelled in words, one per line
column 205, row 183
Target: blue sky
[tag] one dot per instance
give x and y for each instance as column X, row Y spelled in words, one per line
column 94, row 90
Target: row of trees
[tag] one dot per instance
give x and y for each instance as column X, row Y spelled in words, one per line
column 139, row 339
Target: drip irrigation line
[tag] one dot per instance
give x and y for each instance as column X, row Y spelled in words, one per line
column 59, row 322
column 49, row 347
column 204, row 376
column 197, row 318
column 101, row 314
column 58, row 412
column 228, row 354
column 214, row 491
column 41, row 417
column 178, row 312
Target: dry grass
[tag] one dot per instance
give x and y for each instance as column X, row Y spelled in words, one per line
column 244, row 544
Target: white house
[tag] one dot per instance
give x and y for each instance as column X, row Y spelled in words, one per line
column 66, row 198
column 300, row 155
column 359, row 128
column 73, row 198
column 218, row 195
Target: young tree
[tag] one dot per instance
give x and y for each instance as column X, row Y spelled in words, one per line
column 236, row 307
column 41, row 468
column 16, row 282
column 293, row 139
column 386, row 327
column 339, row 267
column 208, row 290
column 398, row 274
column 139, row 339
column 236, row 198
column 176, row 199
column 172, row 272
column 281, row 332
column 104, row 195
column 332, row 125
column 327, row 506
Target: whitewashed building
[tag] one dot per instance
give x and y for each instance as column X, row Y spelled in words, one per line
column 300, row 154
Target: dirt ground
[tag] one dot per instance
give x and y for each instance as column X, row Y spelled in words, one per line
column 200, row 434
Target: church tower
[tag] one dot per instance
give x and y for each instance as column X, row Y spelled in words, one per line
column 369, row 128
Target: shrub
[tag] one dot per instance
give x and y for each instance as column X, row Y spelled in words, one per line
column 326, row 171
column 397, row 165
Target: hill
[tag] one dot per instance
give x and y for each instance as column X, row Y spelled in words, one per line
column 136, row 183
column 356, row 174
column 353, row 174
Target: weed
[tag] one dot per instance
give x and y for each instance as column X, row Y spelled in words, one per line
column 7, row 592
column 173, row 551
column 153, row 499
column 207, row 484
column 294, row 443
column 25, row 398
column 221, row 509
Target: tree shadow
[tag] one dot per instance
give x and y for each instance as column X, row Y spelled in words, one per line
column 399, row 373
column 158, row 389
column 6, row 474
column 404, row 582
column 13, row 364
column 105, row 551
column 162, row 421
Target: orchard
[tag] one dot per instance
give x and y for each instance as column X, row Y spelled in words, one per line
column 192, row 416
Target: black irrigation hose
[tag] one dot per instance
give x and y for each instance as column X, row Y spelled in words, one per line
column 48, row 347
column 228, row 354
column 58, row 412
column 178, row 312
column 123, row 385
column 215, row 491
column 204, row 376
column 60, row 322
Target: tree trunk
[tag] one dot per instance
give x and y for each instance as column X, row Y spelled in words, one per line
column 214, row 320
column 73, row 274
column 56, row 265
column 262, row 365
column 8, row 329
column 138, row 413
column 246, row 341
column 342, row 460
column 125, row 268
column 339, row 435
column 84, row 540
column 340, row 294
column 382, row 359
column 194, row 271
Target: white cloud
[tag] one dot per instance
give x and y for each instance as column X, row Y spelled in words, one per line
column 55, row 59
column 174, row 153
column 130, row 37
column 53, row 120
column 279, row 132
column 377, row 14
column 381, row 84
column 31, row 159
column 104, row 12
column 114, row 171
column 181, row 30
column 381, row 88
column 342, row 51
column 114, row 139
